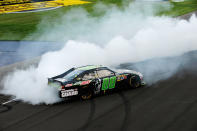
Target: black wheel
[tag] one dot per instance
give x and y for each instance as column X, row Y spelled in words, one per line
column 134, row 81
column 86, row 93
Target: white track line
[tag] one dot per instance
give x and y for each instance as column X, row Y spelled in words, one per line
column 37, row 10
column 9, row 101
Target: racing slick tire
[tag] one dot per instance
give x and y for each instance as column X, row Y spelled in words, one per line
column 86, row 93
column 134, row 81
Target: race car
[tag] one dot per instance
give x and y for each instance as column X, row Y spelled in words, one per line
column 89, row 81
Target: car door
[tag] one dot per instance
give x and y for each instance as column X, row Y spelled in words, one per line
column 108, row 79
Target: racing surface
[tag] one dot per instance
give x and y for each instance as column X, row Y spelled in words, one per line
column 17, row 51
column 167, row 105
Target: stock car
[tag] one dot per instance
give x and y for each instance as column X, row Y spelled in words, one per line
column 88, row 81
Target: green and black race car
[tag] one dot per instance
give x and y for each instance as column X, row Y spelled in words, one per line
column 88, row 81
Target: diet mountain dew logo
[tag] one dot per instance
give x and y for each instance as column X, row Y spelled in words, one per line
column 21, row 6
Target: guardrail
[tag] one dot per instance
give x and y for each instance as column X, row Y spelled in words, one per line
column 10, row 6
column 10, row 2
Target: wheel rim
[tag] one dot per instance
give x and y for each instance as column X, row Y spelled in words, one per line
column 86, row 96
column 133, row 82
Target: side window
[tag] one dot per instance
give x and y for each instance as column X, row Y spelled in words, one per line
column 104, row 73
column 89, row 75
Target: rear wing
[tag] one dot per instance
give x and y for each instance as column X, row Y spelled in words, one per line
column 63, row 74
column 52, row 79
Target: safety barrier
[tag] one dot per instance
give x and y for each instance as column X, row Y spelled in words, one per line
column 37, row 5
column 10, row 2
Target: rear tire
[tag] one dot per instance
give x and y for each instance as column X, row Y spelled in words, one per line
column 86, row 93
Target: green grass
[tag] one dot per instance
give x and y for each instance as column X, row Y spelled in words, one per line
column 19, row 26
column 181, row 8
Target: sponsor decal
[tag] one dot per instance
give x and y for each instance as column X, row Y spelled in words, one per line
column 125, row 77
column 68, row 85
column 71, row 92
column 77, row 83
column 85, row 82
column 121, row 77
column 109, row 83
column 97, row 86
column 21, row 6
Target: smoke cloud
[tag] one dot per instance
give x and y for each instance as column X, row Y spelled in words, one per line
column 131, row 35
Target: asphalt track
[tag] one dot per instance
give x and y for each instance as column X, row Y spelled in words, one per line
column 167, row 105
column 17, row 51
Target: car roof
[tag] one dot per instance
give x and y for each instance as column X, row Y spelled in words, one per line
column 88, row 67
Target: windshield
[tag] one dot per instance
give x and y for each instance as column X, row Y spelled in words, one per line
column 72, row 75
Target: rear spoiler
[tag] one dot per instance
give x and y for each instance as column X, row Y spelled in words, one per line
column 52, row 79
column 63, row 74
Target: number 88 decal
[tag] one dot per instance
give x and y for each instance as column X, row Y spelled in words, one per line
column 109, row 83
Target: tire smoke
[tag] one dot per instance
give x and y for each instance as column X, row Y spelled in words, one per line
column 120, row 36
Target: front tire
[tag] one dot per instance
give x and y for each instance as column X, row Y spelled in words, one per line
column 134, row 81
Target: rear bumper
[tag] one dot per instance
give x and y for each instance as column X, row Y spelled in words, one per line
column 68, row 93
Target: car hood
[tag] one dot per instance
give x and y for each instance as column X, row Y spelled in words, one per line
column 129, row 71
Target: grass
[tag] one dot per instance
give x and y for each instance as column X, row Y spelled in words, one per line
column 181, row 8
column 18, row 26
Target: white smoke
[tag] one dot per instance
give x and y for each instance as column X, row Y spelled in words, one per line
column 30, row 86
column 79, row 25
column 130, row 35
